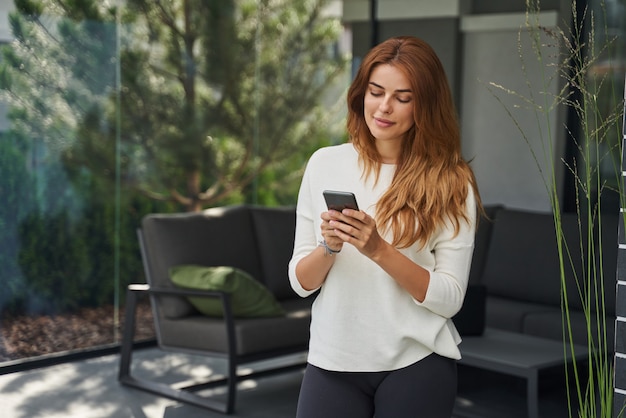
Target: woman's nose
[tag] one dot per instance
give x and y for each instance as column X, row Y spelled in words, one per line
column 385, row 105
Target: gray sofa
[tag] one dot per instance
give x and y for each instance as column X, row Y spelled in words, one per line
column 517, row 262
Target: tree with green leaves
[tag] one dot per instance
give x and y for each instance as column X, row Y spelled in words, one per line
column 192, row 99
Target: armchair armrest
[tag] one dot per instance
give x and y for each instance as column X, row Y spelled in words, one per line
column 133, row 289
column 175, row 291
column 133, row 292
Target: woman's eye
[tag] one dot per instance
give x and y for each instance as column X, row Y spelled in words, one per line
column 403, row 100
column 376, row 93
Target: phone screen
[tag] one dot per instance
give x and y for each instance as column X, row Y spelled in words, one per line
column 339, row 201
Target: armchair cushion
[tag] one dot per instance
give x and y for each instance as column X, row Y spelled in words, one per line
column 249, row 298
column 274, row 230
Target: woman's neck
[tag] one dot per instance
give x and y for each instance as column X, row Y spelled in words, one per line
column 389, row 151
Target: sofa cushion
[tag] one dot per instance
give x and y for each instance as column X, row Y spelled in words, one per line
column 253, row 335
column 274, row 229
column 215, row 237
column 481, row 243
column 586, row 260
column 509, row 314
column 550, row 325
column 522, row 261
column 249, row 298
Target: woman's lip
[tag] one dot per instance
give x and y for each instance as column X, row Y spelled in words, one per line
column 383, row 122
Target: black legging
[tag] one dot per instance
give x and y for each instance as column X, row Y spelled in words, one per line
column 425, row 389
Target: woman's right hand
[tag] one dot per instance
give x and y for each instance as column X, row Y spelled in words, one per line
column 328, row 232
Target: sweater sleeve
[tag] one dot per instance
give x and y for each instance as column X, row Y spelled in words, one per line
column 305, row 237
column 453, row 258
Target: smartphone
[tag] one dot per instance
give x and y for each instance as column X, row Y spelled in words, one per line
column 339, row 201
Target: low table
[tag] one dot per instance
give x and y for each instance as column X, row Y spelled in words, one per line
column 518, row 355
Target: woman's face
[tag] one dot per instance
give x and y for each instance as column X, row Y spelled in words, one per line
column 388, row 104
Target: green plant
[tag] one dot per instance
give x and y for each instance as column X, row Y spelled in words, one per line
column 580, row 87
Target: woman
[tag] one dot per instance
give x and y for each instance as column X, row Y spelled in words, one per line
column 391, row 275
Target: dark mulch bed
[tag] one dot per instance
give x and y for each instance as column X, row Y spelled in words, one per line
column 31, row 336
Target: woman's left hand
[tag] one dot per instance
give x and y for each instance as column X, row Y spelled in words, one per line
column 359, row 229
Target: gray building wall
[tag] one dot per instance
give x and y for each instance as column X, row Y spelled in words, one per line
column 477, row 43
column 513, row 148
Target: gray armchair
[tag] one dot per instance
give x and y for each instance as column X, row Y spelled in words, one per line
column 257, row 240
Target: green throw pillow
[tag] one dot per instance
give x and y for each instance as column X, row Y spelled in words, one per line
column 249, row 298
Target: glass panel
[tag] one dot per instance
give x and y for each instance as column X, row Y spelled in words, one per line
column 159, row 108
column 59, row 83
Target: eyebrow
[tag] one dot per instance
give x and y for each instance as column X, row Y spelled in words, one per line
column 398, row 91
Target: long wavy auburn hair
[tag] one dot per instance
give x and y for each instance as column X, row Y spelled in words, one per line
column 431, row 182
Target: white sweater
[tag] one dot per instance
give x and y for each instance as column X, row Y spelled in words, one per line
column 362, row 320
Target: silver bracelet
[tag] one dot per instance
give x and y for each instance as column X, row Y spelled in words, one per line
column 327, row 249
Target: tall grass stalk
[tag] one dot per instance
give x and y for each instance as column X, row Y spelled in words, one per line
column 578, row 86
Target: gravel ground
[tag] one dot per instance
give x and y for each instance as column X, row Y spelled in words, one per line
column 31, row 336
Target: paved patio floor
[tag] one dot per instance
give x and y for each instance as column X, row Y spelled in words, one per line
column 89, row 389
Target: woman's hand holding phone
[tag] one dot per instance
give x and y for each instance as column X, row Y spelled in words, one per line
column 336, row 201
column 344, row 222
